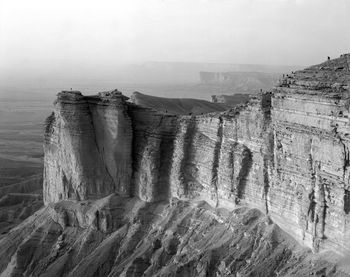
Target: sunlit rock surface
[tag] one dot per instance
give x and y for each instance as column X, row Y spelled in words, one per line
column 309, row 194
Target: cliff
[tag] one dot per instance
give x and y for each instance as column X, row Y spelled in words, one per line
column 87, row 147
column 121, row 177
column 285, row 152
column 310, row 118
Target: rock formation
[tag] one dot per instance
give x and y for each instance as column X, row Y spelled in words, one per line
column 285, row 152
column 87, row 147
column 144, row 178
column 311, row 123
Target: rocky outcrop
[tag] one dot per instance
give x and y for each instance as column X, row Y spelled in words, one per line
column 285, row 153
column 87, row 147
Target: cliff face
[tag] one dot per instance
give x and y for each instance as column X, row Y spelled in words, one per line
column 311, row 128
column 285, row 153
column 216, row 157
column 127, row 187
column 87, row 147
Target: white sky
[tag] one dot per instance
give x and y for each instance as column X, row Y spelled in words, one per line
column 50, row 32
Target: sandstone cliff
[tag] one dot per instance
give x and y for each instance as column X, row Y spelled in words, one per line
column 285, row 153
column 87, row 147
column 311, row 128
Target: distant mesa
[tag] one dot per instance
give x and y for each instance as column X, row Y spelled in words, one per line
column 240, row 82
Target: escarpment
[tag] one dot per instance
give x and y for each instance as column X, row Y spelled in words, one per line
column 285, row 152
column 132, row 190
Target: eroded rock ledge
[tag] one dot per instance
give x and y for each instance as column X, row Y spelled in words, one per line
column 285, row 153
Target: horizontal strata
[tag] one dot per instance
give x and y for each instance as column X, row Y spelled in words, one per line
column 285, row 152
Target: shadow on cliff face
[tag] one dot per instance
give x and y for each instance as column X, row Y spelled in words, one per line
column 154, row 137
column 185, row 168
column 242, row 178
column 166, row 153
column 347, row 202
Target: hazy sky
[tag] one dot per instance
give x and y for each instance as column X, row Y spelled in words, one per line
column 71, row 32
